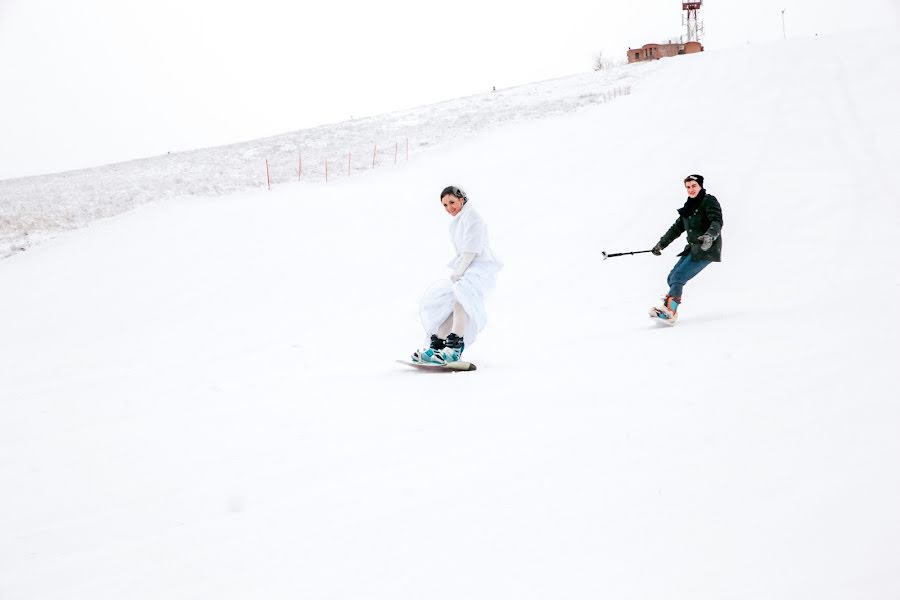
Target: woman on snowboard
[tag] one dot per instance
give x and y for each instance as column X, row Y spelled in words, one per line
column 701, row 218
column 452, row 310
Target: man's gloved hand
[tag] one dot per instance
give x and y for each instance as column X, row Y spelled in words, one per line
column 706, row 241
column 657, row 250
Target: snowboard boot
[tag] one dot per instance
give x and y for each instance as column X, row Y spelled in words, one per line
column 668, row 312
column 453, row 348
column 432, row 354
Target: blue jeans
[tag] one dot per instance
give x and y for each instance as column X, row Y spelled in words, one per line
column 684, row 270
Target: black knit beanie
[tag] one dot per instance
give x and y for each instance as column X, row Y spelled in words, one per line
column 697, row 178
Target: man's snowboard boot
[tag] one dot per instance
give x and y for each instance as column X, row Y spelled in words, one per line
column 668, row 312
column 453, row 348
column 432, row 354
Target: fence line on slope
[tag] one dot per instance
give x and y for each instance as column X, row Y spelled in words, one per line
column 35, row 207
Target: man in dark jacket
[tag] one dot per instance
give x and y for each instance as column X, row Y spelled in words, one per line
column 701, row 218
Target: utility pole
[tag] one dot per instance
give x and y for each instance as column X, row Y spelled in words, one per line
column 783, row 33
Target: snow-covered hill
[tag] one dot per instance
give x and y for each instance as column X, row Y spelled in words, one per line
column 199, row 398
column 33, row 209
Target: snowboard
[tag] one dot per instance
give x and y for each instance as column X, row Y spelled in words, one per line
column 655, row 315
column 459, row 365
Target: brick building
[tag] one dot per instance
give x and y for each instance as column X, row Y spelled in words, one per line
column 656, row 51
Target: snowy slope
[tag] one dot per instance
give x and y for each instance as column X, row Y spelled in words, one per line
column 36, row 208
column 198, row 397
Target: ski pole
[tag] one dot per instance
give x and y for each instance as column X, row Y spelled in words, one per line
column 605, row 255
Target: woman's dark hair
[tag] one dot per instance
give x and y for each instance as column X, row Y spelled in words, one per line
column 452, row 190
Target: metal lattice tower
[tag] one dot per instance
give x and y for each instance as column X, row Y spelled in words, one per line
column 691, row 20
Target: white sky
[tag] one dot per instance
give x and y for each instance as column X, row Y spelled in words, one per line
column 101, row 81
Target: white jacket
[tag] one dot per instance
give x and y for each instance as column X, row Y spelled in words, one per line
column 468, row 233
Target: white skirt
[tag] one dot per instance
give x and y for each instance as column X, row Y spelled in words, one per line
column 437, row 303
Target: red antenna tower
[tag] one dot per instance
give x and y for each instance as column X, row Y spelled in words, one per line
column 691, row 20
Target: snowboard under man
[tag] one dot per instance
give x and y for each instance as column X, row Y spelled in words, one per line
column 452, row 310
column 701, row 218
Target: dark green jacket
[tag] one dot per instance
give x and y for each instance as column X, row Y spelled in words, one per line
column 707, row 218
